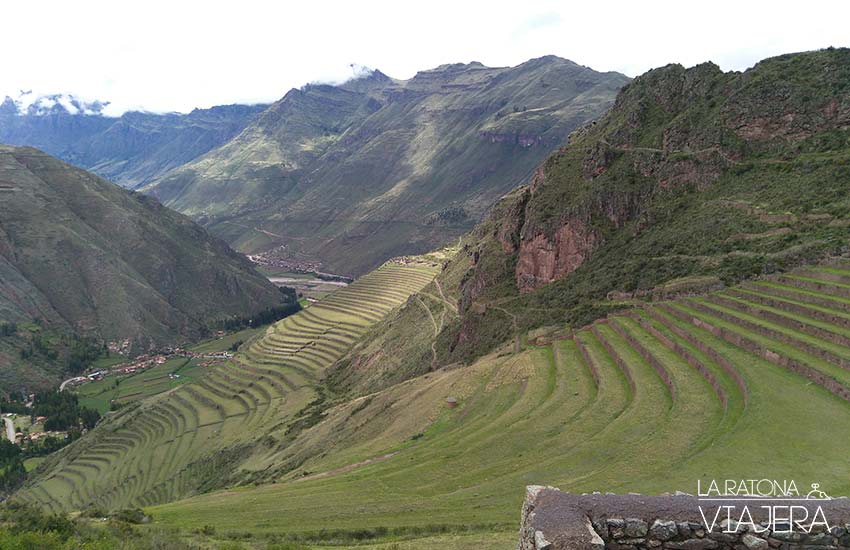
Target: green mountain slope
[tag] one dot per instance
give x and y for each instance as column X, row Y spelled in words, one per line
column 80, row 255
column 239, row 423
column 348, row 176
column 650, row 400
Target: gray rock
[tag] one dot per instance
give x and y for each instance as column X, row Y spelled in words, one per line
column 601, row 528
column 684, row 529
column 730, row 526
column 754, row 543
column 787, row 536
column 820, row 539
column 693, row 544
column 635, row 528
column 723, row 537
column 596, row 542
column 616, row 528
column 540, row 542
column 663, row 530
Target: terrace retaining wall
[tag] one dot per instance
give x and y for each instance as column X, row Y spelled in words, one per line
column 553, row 520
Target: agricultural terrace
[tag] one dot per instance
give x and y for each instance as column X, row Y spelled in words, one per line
column 165, row 447
column 740, row 383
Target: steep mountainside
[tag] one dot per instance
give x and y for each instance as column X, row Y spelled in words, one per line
column 130, row 150
column 348, row 176
column 696, row 178
column 81, row 256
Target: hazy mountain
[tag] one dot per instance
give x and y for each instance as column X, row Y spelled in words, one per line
column 353, row 174
column 130, row 150
column 84, row 257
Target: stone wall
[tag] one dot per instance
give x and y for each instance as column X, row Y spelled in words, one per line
column 552, row 520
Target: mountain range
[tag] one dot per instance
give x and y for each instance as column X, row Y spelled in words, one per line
column 131, row 150
column 345, row 177
column 590, row 331
column 696, row 178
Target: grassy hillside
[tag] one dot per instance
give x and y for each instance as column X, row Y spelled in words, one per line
column 351, row 175
column 83, row 258
column 648, row 400
column 238, row 423
column 123, row 390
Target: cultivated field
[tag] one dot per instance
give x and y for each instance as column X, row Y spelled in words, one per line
column 220, row 427
column 742, row 383
column 129, row 388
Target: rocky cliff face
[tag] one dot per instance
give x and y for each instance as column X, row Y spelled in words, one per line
column 693, row 171
column 544, row 259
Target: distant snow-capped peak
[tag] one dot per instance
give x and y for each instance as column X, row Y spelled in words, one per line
column 32, row 104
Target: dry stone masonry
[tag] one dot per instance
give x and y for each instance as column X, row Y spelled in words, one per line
column 553, row 520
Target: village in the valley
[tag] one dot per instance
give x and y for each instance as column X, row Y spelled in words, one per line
column 28, row 429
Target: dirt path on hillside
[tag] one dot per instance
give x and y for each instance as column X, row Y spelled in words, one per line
column 348, row 468
column 450, row 305
column 437, row 329
column 712, row 149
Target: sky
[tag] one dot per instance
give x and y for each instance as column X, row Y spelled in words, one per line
column 176, row 55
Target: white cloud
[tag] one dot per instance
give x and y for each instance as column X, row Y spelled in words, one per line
column 66, row 102
column 164, row 56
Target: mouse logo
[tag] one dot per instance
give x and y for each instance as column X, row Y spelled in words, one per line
column 817, row 494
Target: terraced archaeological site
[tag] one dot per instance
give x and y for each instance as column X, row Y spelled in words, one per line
column 236, row 415
column 649, row 400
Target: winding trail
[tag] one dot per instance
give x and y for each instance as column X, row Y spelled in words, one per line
column 712, row 149
column 450, row 305
column 437, row 329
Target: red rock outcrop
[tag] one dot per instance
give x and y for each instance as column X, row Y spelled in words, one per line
column 542, row 259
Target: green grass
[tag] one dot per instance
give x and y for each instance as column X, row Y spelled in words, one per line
column 125, row 389
column 234, row 420
column 107, row 361
column 225, row 342
column 536, row 417
column 32, row 463
column 401, row 463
